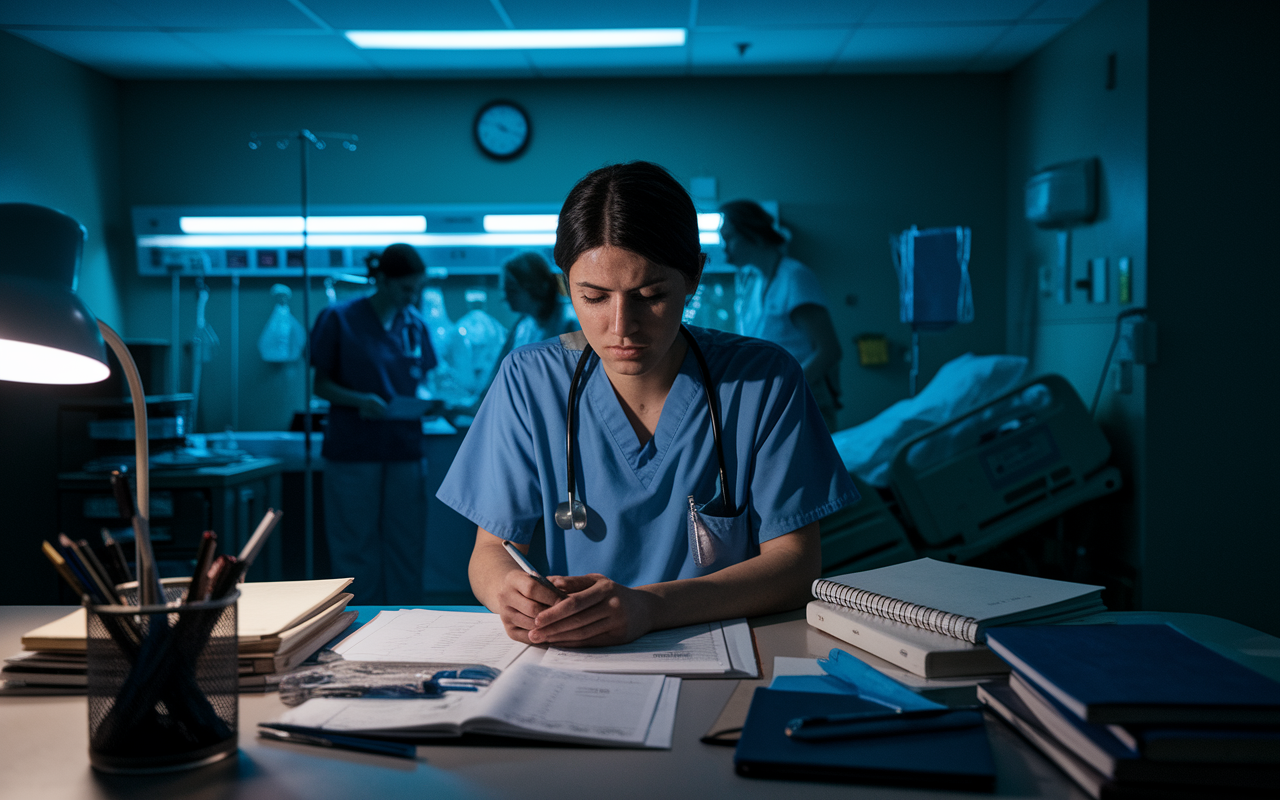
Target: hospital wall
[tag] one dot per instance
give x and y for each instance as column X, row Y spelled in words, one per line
column 1186, row 141
column 850, row 160
column 58, row 148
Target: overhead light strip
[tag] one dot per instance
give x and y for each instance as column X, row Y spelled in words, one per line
column 519, row 40
column 272, row 241
column 349, row 224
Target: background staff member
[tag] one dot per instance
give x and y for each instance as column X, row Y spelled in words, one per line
column 782, row 302
column 366, row 352
column 628, row 244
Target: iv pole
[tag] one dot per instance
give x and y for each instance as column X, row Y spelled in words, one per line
column 317, row 140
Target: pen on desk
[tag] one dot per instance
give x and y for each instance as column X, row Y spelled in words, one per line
column 531, row 571
column 340, row 741
column 198, row 588
column 122, row 563
column 863, row 723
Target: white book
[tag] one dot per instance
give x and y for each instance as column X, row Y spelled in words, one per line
column 922, row 652
column 526, row 701
column 958, row 601
column 708, row 649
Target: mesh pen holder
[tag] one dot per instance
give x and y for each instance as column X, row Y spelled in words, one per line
column 163, row 683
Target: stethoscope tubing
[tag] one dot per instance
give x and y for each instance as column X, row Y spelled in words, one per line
column 716, row 432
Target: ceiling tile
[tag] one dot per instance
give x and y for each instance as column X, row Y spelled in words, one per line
column 68, row 12
column 768, row 47
column 443, row 62
column 266, row 54
column 748, row 13
column 609, row 60
column 407, row 15
column 1062, row 9
column 915, row 49
column 1016, row 44
column 127, row 54
column 218, row 13
column 557, row 14
column 932, row 12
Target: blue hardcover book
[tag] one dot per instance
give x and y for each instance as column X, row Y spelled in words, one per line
column 1137, row 675
column 941, row 759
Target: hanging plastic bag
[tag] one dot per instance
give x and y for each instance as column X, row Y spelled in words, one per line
column 283, row 338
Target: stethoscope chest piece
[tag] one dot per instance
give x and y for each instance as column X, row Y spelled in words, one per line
column 572, row 514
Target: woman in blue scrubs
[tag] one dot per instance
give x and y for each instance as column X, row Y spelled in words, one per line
column 366, row 353
column 643, row 452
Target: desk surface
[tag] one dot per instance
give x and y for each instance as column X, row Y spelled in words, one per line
column 44, row 742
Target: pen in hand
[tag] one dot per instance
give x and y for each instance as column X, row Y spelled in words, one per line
column 531, row 571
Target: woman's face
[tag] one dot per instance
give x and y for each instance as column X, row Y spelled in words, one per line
column 629, row 308
column 403, row 291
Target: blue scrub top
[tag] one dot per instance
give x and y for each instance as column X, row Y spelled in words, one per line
column 349, row 343
column 509, row 474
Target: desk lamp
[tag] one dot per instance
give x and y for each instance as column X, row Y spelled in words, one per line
column 48, row 335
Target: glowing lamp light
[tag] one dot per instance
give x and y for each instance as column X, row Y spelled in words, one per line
column 23, row 362
column 519, row 40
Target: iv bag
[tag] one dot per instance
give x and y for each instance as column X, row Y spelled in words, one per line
column 934, row 291
column 283, row 338
column 475, row 345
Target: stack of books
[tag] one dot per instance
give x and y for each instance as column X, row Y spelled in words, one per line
column 280, row 625
column 1140, row 711
column 930, row 617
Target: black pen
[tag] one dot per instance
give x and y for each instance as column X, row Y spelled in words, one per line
column 870, row 723
column 342, row 742
column 116, row 550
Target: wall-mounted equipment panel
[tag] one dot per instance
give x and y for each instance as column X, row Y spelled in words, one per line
column 1063, row 195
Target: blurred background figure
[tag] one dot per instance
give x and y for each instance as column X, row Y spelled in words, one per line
column 532, row 291
column 370, row 355
column 779, row 300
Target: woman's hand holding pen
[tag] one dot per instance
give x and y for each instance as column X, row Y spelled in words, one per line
column 520, row 599
column 597, row 612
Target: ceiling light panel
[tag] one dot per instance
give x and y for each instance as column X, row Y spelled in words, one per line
column 595, row 38
column 410, row 15
column 765, row 13
column 553, row 14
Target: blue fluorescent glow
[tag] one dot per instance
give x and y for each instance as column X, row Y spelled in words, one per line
column 271, row 241
column 495, row 223
column 518, row 40
column 353, row 224
column 710, row 222
column 709, row 238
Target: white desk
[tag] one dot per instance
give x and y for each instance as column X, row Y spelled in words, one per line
column 44, row 747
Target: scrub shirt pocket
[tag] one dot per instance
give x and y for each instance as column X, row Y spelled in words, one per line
column 717, row 542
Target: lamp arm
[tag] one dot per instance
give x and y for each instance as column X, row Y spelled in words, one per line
column 142, row 475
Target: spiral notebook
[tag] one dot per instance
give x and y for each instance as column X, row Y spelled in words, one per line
column 959, row 601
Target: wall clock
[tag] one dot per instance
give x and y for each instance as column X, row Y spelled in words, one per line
column 502, row 130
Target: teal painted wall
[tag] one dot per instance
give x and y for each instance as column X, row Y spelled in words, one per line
column 850, row 160
column 58, row 148
column 1060, row 109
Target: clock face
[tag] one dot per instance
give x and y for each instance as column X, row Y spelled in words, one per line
column 502, row 130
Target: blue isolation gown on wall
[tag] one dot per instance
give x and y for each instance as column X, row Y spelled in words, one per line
column 509, row 474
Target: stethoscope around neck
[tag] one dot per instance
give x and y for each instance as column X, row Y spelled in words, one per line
column 573, row 512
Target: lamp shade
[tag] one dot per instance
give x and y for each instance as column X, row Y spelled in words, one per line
column 47, row 334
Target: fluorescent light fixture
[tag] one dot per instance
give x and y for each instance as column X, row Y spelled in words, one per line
column 501, row 223
column 518, row 40
column 364, row 224
column 273, row 241
column 710, row 222
column 709, row 238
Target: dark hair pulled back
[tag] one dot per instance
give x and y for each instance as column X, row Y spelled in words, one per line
column 397, row 261
column 752, row 222
column 533, row 274
column 636, row 206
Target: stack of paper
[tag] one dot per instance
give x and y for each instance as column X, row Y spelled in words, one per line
column 280, row 625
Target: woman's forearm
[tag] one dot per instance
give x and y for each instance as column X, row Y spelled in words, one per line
column 778, row 579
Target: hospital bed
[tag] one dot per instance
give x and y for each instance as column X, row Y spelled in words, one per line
column 963, row 486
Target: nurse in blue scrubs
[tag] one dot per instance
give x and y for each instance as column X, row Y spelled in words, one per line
column 643, row 447
column 367, row 352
